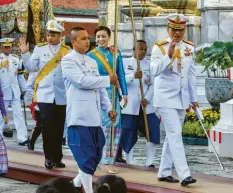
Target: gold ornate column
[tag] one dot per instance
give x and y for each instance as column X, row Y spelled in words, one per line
column 36, row 9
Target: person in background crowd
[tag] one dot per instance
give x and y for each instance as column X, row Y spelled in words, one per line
column 132, row 116
column 56, row 185
column 110, row 184
column 13, row 87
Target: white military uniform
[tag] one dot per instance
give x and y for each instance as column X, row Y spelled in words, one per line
column 174, row 90
column 11, row 84
column 134, row 99
column 50, row 94
column 133, row 86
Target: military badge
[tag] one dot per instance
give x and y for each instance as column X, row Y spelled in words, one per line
column 130, row 67
column 187, row 52
column 148, row 79
column 171, row 68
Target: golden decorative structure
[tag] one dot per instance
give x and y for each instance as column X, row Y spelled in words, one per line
column 36, row 8
column 188, row 7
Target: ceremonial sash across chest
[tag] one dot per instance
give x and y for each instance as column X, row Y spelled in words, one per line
column 51, row 64
column 100, row 57
column 106, row 65
column 4, row 64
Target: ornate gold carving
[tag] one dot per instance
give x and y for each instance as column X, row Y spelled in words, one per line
column 36, row 8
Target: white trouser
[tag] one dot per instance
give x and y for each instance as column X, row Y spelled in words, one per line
column 150, row 153
column 18, row 119
column 86, row 180
column 173, row 148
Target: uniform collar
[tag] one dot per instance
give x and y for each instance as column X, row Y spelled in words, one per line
column 80, row 56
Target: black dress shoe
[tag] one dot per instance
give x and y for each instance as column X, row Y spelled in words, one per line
column 59, row 164
column 120, row 160
column 30, row 144
column 48, row 164
column 23, row 143
column 168, row 179
column 188, row 180
column 77, row 189
column 151, row 166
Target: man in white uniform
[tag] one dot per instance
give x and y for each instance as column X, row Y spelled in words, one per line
column 49, row 90
column 13, row 87
column 173, row 66
column 86, row 97
column 132, row 116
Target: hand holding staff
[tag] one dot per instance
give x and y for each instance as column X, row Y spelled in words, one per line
column 138, row 70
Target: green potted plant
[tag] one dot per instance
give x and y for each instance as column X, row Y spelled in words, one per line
column 193, row 133
column 216, row 59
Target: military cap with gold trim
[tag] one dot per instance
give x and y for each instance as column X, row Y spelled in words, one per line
column 6, row 42
column 177, row 21
column 53, row 25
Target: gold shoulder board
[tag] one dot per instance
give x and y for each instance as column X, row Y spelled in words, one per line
column 42, row 44
column 161, row 43
column 188, row 42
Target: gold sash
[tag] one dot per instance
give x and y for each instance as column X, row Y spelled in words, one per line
column 4, row 64
column 106, row 65
column 102, row 60
column 51, row 64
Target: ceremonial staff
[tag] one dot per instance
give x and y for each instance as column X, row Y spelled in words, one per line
column 114, row 72
column 139, row 69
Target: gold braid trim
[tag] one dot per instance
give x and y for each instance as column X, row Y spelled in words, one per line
column 160, row 45
column 4, row 64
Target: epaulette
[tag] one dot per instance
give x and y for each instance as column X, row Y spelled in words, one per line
column 15, row 55
column 188, row 42
column 42, row 44
column 161, row 43
column 65, row 46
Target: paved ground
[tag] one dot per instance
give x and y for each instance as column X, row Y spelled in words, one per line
column 13, row 186
column 199, row 160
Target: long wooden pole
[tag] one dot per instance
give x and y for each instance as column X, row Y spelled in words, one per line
column 114, row 72
column 138, row 68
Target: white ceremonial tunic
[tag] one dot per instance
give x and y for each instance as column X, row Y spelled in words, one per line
column 174, row 90
column 85, row 89
column 133, row 86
